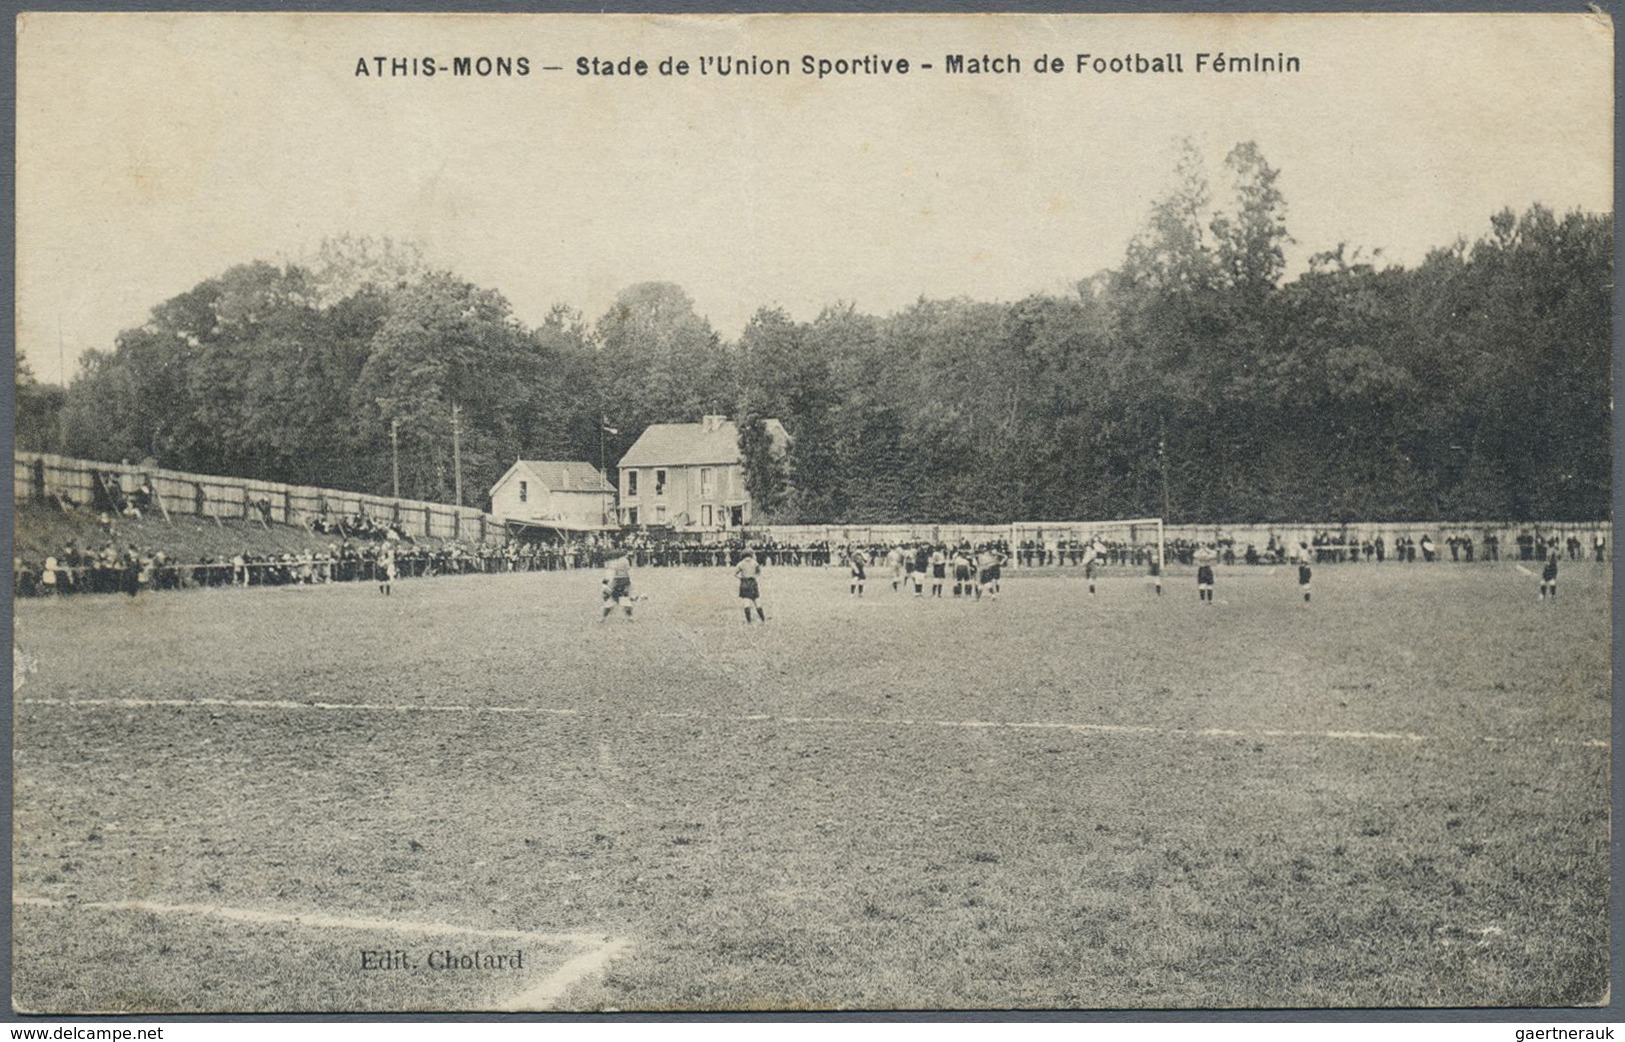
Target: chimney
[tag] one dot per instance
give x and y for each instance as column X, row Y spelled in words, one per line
column 711, row 424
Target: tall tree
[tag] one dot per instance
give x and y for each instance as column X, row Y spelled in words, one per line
column 1250, row 241
column 37, row 410
column 766, row 477
column 1476, row 384
column 347, row 264
column 659, row 361
column 449, row 354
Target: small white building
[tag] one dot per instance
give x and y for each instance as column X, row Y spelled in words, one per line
column 564, row 495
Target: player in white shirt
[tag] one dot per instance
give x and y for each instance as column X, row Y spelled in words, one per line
column 1094, row 555
column 385, row 566
column 895, row 560
column 1205, row 557
column 988, row 562
column 962, row 572
column 617, row 583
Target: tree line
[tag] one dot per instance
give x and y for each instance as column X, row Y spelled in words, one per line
column 1193, row 381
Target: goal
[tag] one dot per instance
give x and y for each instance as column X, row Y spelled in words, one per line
column 1133, row 544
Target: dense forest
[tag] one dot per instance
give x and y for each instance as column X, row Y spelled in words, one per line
column 1194, row 381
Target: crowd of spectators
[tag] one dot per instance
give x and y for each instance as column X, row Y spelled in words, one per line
column 112, row 568
column 360, row 525
column 1324, row 547
column 103, row 569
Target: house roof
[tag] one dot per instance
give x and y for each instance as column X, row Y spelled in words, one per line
column 686, row 444
column 560, row 476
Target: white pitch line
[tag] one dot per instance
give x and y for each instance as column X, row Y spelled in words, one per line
column 859, row 721
column 601, row 949
column 280, row 703
column 325, row 922
column 547, row 994
column 1180, row 732
column 869, row 720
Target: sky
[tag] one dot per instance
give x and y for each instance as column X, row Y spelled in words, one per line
column 155, row 151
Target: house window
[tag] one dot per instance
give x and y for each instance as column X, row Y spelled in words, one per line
column 660, row 514
column 632, row 484
column 524, row 492
column 660, row 482
column 705, row 515
column 708, row 482
column 738, row 514
column 632, row 516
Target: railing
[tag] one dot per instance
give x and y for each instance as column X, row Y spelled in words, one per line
column 132, row 577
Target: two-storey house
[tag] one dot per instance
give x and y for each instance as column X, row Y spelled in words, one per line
column 689, row 475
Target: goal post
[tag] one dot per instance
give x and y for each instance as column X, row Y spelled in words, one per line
column 1132, row 543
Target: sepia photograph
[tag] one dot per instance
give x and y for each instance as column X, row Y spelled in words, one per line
column 800, row 513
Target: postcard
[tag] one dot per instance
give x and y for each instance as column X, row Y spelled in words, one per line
column 812, row 512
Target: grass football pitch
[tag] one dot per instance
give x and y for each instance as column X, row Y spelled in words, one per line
column 326, row 799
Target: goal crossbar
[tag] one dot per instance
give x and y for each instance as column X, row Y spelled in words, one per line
column 1141, row 531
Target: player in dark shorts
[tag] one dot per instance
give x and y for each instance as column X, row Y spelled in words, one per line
column 921, row 562
column 1094, row 559
column 987, row 571
column 1303, row 580
column 617, row 584
column 856, row 559
column 1205, row 556
column 962, row 582
column 749, row 568
column 939, row 570
column 1156, row 575
column 1548, row 578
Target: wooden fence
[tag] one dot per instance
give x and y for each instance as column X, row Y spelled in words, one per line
column 45, row 478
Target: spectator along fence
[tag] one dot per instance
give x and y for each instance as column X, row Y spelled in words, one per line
column 112, row 487
column 1331, row 537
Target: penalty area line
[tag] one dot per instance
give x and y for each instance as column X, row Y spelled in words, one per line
column 1077, row 727
column 1143, row 729
column 599, row 949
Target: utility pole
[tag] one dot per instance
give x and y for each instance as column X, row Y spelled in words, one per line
column 456, row 453
column 603, row 475
column 1162, row 455
column 395, row 456
column 62, row 368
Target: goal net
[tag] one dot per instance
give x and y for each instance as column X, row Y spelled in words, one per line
column 1134, row 544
